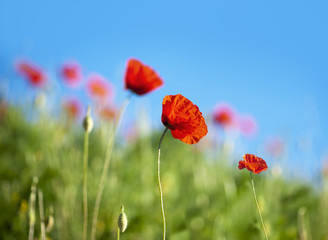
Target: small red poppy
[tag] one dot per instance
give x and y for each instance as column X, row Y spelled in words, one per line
column 108, row 112
column 225, row 116
column 253, row 163
column 32, row 73
column 140, row 78
column 98, row 87
column 183, row 118
column 72, row 107
column 71, row 73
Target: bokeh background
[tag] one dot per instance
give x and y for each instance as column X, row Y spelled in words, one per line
column 266, row 59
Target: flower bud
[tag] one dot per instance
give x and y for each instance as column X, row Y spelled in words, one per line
column 122, row 221
column 88, row 122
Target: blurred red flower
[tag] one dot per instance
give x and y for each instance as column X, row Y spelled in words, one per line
column 99, row 88
column 108, row 113
column 253, row 163
column 72, row 108
column 71, row 73
column 225, row 116
column 35, row 76
column 140, row 78
column 183, row 118
column 247, row 125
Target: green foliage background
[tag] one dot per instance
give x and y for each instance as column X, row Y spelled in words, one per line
column 205, row 195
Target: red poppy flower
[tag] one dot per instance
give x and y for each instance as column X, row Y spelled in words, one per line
column 32, row 73
column 72, row 107
column 140, row 78
column 71, row 73
column 99, row 88
column 253, row 163
column 225, row 116
column 183, row 118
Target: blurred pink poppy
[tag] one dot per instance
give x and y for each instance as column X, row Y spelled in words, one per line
column 225, row 116
column 72, row 107
column 247, row 125
column 71, row 73
column 99, row 88
column 275, row 146
column 34, row 74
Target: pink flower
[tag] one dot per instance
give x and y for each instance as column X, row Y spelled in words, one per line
column 275, row 146
column 99, row 88
column 71, row 73
column 34, row 75
column 247, row 125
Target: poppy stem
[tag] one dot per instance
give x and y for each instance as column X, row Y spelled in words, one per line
column 118, row 234
column 258, row 207
column 106, row 165
column 42, row 224
column 159, row 181
column 85, row 185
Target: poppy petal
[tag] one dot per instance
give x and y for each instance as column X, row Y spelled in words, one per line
column 253, row 163
column 183, row 118
column 140, row 78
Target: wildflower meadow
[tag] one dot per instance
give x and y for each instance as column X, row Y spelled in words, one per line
column 77, row 173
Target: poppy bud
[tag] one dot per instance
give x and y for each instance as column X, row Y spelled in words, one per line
column 122, row 221
column 88, row 122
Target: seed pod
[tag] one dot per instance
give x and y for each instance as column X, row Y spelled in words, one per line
column 122, row 221
column 88, row 122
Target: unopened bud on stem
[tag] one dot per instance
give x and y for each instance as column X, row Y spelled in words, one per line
column 122, row 221
column 88, row 121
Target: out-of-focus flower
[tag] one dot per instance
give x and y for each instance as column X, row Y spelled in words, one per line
column 72, row 107
column 225, row 116
column 99, row 88
column 108, row 112
column 71, row 73
column 253, row 163
column 140, row 78
column 183, row 118
column 247, row 125
column 275, row 146
column 34, row 74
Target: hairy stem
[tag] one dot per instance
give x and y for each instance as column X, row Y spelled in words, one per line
column 85, row 185
column 159, row 182
column 258, row 207
column 105, row 168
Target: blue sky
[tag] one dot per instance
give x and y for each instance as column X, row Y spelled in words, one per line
column 266, row 58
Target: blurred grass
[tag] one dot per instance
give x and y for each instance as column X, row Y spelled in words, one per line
column 205, row 195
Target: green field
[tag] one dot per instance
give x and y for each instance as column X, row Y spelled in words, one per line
column 206, row 196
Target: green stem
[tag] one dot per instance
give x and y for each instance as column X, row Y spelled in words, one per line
column 159, row 181
column 32, row 208
column 85, row 185
column 118, row 234
column 105, row 168
column 42, row 224
column 258, row 207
